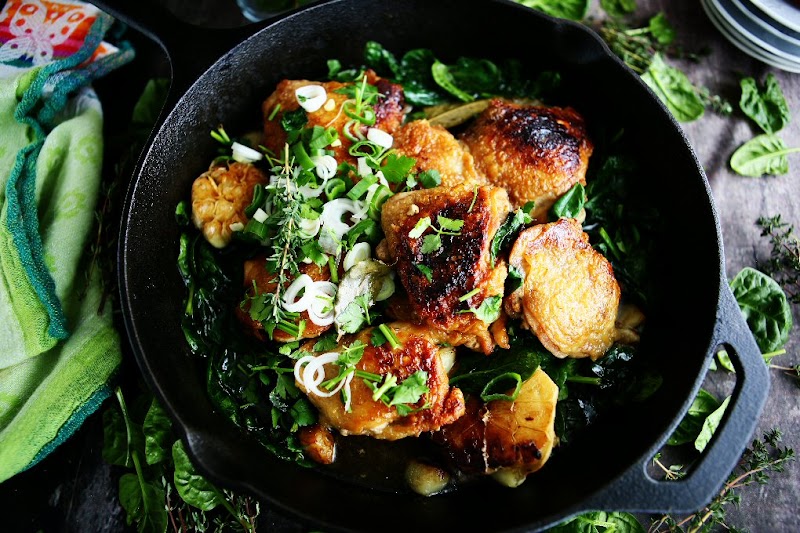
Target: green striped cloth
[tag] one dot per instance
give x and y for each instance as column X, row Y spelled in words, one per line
column 57, row 350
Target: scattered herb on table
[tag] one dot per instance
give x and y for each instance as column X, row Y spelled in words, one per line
column 764, row 306
column 784, row 261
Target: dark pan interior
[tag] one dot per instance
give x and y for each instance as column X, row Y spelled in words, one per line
column 680, row 324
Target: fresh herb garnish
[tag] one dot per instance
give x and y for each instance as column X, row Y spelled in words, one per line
column 784, row 260
column 433, row 241
column 401, row 395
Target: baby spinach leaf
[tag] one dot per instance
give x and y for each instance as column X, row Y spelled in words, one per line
column 661, row 29
column 489, row 310
column 765, row 154
column 710, row 425
column 143, row 502
column 768, row 109
column 764, row 306
column 195, row 490
column 476, row 371
column 444, row 78
column 570, row 204
column 674, row 89
column 508, row 231
column 115, row 439
column 600, row 522
column 567, row 9
column 618, row 8
column 380, row 59
column 692, row 424
column 157, row 434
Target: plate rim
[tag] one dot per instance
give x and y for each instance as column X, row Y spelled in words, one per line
column 745, row 46
column 762, row 41
column 763, row 20
column 779, row 13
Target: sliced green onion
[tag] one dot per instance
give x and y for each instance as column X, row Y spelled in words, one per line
column 302, row 157
column 382, row 193
column 322, row 137
column 394, row 342
column 258, row 200
column 360, row 188
column 256, row 229
column 274, row 111
column 347, row 130
column 469, row 295
column 335, row 188
column 333, row 269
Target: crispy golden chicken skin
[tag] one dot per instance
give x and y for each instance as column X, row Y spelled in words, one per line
column 537, row 153
column 417, row 351
column 435, row 148
column 569, row 296
column 255, row 272
column 389, row 111
column 220, row 197
column 507, row 439
column 461, row 265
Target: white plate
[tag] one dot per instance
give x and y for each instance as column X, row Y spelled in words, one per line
column 782, row 11
column 754, row 33
column 769, row 24
column 744, row 45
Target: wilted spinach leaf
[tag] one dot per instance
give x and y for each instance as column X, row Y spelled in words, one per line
column 764, row 306
column 475, row 371
column 570, row 204
column 765, row 154
column 768, row 109
column 508, row 231
column 674, row 89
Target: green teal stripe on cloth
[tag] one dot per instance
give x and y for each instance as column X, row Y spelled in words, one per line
column 21, row 210
column 58, row 344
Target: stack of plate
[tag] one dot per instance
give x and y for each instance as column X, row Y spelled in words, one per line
column 768, row 30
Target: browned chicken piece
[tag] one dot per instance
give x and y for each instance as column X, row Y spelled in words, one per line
column 389, row 111
column 460, row 266
column 507, row 439
column 219, row 198
column 318, row 443
column 255, row 271
column 537, row 153
column 435, row 148
column 418, row 351
column 569, row 296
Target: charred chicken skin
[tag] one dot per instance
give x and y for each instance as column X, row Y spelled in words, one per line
column 569, row 296
column 537, row 153
column 460, row 266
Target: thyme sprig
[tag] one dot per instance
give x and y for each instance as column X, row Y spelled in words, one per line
column 283, row 263
column 784, row 261
column 763, row 457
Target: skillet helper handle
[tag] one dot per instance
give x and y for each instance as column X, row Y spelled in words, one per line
column 641, row 492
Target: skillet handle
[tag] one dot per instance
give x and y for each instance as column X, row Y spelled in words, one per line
column 190, row 49
column 641, row 493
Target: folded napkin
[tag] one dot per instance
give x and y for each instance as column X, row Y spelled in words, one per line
column 57, row 349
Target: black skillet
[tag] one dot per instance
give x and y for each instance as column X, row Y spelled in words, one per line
column 693, row 310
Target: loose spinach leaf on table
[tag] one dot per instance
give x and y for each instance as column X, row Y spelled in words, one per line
column 618, row 8
column 710, row 425
column 692, row 423
column 768, row 109
column 674, row 89
column 195, row 490
column 764, row 154
column 157, row 429
column 143, row 502
column 764, row 306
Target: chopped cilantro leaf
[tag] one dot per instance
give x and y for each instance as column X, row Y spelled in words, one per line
column 420, row 227
column 426, row 271
column 449, row 224
column 396, row 167
column 431, row 243
column 429, row 178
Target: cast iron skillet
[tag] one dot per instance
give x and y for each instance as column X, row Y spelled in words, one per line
column 693, row 310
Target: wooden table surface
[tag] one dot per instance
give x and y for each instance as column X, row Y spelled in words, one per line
column 73, row 490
